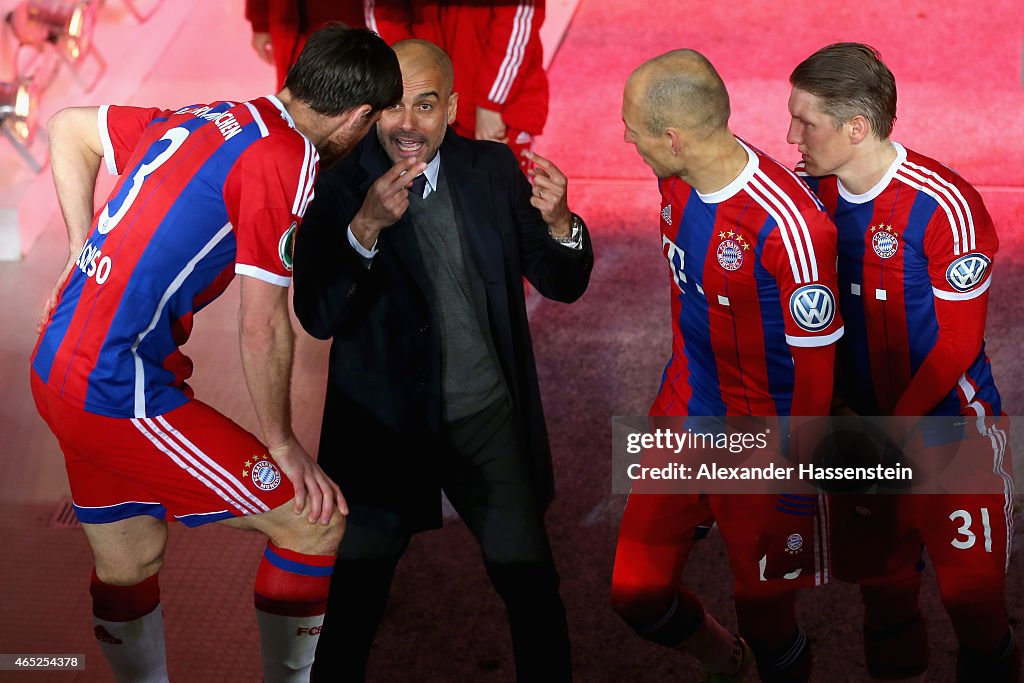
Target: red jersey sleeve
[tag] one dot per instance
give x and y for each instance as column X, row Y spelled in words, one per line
column 960, row 244
column 266, row 195
column 510, row 49
column 801, row 256
column 258, row 14
column 120, row 130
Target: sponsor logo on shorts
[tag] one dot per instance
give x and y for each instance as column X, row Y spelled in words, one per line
column 794, row 544
column 884, row 240
column 310, row 631
column 265, row 475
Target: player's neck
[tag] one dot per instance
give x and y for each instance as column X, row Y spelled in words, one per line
column 718, row 163
column 305, row 119
column 868, row 166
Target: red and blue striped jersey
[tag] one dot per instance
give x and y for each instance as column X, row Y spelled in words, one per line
column 918, row 241
column 752, row 275
column 205, row 192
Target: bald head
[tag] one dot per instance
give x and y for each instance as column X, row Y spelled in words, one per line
column 415, row 54
column 680, row 89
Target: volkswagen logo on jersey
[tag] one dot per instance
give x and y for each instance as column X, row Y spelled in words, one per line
column 813, row 307
column 794, row 543
column 884, row 240
column 266, row 475
column 666, row 214
column 286, row 244
column 967, row 272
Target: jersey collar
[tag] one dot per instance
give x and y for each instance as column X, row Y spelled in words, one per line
column 901, row 156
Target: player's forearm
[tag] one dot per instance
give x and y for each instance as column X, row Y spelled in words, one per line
column 961, row 333
column 75, row 157
column 812, row 380
column 267, row 345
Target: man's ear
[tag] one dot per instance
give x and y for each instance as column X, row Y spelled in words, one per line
column 860, row 128
column 675, row 140
column 359, row 117
column 453, row 107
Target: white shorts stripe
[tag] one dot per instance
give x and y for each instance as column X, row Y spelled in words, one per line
column 232, row 482
column 193, row 472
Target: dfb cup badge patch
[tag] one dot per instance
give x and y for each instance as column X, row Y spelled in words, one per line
column 730, row 250
column 286, row 245
column 265, row 475
column 884, row 240
column 794, row 544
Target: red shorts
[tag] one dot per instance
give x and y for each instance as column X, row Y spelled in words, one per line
column 968, row 535
column 775, row 543
column 191, row 464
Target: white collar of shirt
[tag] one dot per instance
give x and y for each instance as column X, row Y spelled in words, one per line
column 431, row 171
column 737, row 184
column 901, row 156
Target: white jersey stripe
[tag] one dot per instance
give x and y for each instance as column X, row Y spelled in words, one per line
column 962, row 296
column 514, row 53
column 956, row 220
column 179, row 280
column 803, row 241
column 506, row 62
column 300, row 192
column 956, row 197
column 185, row 466
column 785, row 226
column 211, row 463
column 258, row 119
column 108, row 146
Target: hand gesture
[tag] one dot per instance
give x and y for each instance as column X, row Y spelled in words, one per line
column 549, row 194
column 310, row 483
column 386, row 201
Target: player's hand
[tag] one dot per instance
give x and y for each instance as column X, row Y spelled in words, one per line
column 489, row 126
column 386, row 201
column 51, row 302
column 264, row 49
column 311, row 485
column 549, row 194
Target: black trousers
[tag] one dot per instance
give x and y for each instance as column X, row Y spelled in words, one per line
column 485, row 477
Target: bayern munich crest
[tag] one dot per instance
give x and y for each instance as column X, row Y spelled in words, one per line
column 730, row 250
column 794, row 543
column 884, row 240
column 265, row 475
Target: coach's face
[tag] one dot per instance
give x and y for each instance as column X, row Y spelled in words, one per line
column 824, row 147
column 415, row 127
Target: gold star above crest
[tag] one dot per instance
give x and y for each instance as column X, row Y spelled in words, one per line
column 731, row 234
column 245, row 473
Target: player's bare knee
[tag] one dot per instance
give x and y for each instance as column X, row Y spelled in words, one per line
column 300, row 535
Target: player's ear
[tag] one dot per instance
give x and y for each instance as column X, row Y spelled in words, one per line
column 675, row 140
column 359, row 118
column 453, row 107
column 860, row 128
